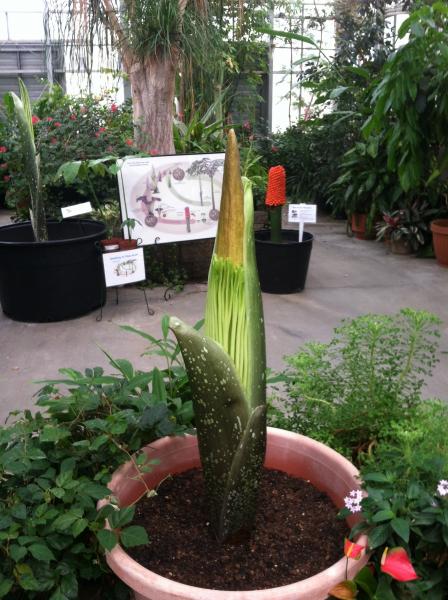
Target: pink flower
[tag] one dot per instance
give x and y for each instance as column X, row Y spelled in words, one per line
column 352, row 550
column 4, row 166
column 113, row 108
column 57, row 124
column 49, row 119
column 395, row 562
column 100, row 131
column 72, row 117
column 35, row 119
column 54, row 140
column 247, row 126
column 3, row 149
column 153, row 152
column 274, row 149
column 84, row 109
column 6, row 177
column 129, row 142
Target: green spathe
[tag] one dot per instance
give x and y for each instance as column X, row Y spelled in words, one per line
column 22, row 108
column 226, row 368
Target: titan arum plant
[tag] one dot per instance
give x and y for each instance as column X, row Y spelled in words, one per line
column 31, row 163
column 226, row 366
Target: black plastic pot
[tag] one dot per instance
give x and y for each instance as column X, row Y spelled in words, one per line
column 54, row 280
column 282, row 267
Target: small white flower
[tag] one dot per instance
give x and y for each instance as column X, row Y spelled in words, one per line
column 353, row 501
column 442, row 488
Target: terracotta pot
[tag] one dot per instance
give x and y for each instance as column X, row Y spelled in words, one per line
column 294, row 454
column 439, row 229
column 128, row 244
column 359, row 227
column 111, row 244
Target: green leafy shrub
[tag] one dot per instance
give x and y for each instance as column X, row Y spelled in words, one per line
column 406, row 506
column 55, row 465
column 347, row 392
column 66, row 128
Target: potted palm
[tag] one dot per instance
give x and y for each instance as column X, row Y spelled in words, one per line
column 226, row 368
column 282, row 258
column 49, row 270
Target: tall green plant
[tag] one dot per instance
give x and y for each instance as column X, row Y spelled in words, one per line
column 31, row 160
column 226, row 366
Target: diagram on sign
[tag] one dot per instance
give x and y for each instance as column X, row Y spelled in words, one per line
column 173, row 198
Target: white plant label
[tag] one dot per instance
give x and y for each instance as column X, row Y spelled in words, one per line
column 76, row 209
column 302, row 213
column 127, row 266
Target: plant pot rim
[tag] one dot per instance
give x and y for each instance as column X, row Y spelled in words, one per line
column 154, row 586
column 285, row 242
column 440, row 226
column 53, row 222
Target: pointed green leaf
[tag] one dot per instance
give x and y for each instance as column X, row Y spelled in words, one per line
column 107, row 539
column 133, row 536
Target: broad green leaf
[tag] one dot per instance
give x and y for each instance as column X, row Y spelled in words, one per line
column 121, row 517
column 383, row 515
column 366, row 581
column 401, row 527
column 378, row 536
column 5, row 587
column 41, row 552
column 53, row 434
column 133, row 536
column 17, row 552
column 107, row 539
column 79, row 526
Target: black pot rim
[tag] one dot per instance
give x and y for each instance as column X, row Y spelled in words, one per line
column 27, row 225
column 284, row 242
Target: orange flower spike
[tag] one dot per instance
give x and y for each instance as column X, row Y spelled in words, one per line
column 352, row 550
column 395, row 562
column 276, row 190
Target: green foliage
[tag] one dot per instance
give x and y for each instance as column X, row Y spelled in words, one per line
column 55, row 466
column 410, row 107
column 404, row 508
column 67, row 129
column 346, row 393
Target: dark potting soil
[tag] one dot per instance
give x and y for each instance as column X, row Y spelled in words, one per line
column 296, row 535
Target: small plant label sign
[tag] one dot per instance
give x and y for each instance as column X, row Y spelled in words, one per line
column 124, row 267
column 76, row 209
column 302, row 213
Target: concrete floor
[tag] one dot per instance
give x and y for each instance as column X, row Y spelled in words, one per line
column 347, row 277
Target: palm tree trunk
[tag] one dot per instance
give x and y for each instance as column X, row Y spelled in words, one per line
column 153, row 86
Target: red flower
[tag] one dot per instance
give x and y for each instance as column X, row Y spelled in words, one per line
column 49, row 119
column 6, row 177
column 57, row 124
column 395, row 562
column 3, row 149
column 276, row 190
column 35, row 119
column 113, row 108
column 54, row 140
column 352, row 550
column 73, row 117
column 129, row 142
column 153, row 152
column 247, row 126
column 100, row 131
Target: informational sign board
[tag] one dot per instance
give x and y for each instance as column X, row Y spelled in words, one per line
column 174, row 198
column 76, row 209
column 302, row 213
column 127, row 266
